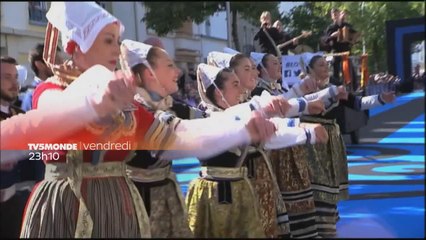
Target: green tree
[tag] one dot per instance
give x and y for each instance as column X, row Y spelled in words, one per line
column 367, row 17
column 306, row 17
column 165, row 17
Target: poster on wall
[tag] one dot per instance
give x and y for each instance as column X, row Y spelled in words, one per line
column 291, row 68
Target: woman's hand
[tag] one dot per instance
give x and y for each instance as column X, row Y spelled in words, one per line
column 308, row 85
column 342, row 93
column 388, row 97
column 277, row 107
column 259, row 128
column 316, row 107
column 321, row 135
column 114, row 95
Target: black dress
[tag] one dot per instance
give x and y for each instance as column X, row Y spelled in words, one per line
column 164, row 193
column 284, row 38
column 265, row 44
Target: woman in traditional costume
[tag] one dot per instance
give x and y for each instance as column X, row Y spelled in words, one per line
column 328, row 162
column 154, row 178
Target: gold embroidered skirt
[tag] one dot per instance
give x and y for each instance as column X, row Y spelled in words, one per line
column 329, row 174
column 272, row 208
column 223, row 204
column 292, row 173
column 163, row 200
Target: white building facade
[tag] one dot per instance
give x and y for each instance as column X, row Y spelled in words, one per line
column 23, row 26
column 188, row 45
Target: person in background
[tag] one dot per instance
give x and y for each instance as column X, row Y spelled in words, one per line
column 267, row 35
column 418, row 79
column 41, row 71
column 284, row 38
column 191, row 74
column 339, row 46
column 22, row 77
column 17, row 178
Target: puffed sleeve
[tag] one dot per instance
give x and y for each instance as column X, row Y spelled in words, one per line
column 46, row 125
column 297, row 105
column 173, row 138
column 286, row 136
column 363, row 102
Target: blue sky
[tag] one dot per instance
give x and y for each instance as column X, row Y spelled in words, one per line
column 286, row 6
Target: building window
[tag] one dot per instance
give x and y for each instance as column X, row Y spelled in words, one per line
column 208, row 28
column 37, row 12
column 102, row 4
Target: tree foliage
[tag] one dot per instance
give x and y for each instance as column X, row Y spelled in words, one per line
column 165, row 17
column 306, row 17
column 367, row 17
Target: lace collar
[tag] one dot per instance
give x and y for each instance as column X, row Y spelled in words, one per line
column 152, row 100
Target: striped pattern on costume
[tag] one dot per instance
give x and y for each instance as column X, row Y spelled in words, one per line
column 292, row 173
column 328, row 167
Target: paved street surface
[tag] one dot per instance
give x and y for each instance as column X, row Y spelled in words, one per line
column 387, row 174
